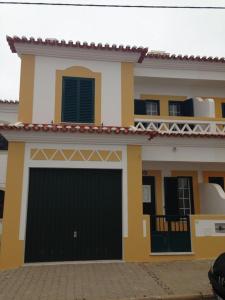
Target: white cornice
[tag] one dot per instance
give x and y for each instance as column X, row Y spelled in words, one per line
column 77, row 138
column 110, row 139
column 182, row 65
column 9, row 108
column 76, row 53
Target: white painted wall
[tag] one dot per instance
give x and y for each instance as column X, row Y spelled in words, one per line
column 204, row 107
column 184, row 71
column 180, row 87
column 183, row 153
column 212, row 199
column 3, row 167
column 44, row 87
column 167, row 167
column 8, row 113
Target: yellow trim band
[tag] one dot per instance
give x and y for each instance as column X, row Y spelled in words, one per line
column 136, row 246
column 12, row 249
column 26, row 88
column 127, row 94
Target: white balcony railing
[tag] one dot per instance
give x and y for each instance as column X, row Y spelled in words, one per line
column 180, row 126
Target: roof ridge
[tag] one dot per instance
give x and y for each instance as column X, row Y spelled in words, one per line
column 70, row 43
column 143, row 51
column 184, row 57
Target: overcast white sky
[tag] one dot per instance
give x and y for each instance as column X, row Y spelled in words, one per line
column 198, row 32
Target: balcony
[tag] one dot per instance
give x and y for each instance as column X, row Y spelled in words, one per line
column 179, row 126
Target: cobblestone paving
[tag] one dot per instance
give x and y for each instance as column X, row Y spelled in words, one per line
column 98, row 281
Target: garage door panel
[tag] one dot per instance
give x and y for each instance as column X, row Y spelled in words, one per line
column 74, row 214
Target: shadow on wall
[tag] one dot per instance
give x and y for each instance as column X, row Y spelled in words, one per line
column 212, row 198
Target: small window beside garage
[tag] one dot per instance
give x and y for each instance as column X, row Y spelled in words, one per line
column 78, row 100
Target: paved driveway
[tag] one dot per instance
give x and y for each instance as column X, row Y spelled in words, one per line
column 98, row 281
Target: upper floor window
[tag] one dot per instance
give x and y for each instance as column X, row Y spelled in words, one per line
column 152, row 107
column 78, row 99
column 175, row 108
column 223, row 110
column 146, row 107
column 181, row 108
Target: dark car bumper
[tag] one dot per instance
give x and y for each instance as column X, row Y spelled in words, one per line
column 218, row 289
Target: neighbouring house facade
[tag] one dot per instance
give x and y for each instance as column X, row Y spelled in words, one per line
column 8, row 114
column 117, row 154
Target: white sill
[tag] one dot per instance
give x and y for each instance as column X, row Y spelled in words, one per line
column 171, row 253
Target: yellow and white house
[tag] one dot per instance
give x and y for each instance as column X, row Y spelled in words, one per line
column 117, row 154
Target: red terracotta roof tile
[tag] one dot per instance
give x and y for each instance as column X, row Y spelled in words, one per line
column 75, row 128
column 144, row 54
column 70, row 44
column 166, row 56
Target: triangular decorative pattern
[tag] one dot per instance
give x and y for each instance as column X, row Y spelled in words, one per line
column 195, row 127
column 75, row 154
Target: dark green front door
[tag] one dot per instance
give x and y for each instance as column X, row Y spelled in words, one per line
column 74, row 214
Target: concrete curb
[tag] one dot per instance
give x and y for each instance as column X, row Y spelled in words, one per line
column 177, row 297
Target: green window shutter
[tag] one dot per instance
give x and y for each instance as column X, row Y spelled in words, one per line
column 86, row 111
column 188, row 108
column 78, row 100
column 139, row 107
column 70, row 99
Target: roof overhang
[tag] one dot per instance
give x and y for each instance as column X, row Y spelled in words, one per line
column 76, row 50
column 72, row 134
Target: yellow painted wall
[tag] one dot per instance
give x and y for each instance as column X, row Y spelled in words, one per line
column 77, row 72
column 218, row 106
column 26, row 88
column 136, row 247
column 164, row 101
column 12, row 249
column 207, row 247
column 127, row 94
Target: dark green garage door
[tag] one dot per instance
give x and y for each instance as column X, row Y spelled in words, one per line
column 74, row 214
